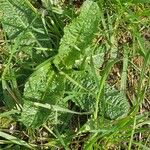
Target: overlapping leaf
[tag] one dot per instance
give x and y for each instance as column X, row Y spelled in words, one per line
column 44, row 86
column 23, row 25
column 78, row 35
column 47, row 85
column 112, row 105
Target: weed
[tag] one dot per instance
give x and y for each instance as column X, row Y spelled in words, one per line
column 73, row 75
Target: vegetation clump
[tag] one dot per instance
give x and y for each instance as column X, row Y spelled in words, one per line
column 74, row 75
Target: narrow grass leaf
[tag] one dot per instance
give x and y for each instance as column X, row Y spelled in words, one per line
column 14, row 139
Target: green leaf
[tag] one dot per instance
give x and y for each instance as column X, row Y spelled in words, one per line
column 113, row 105
column 141, row 1
column 59, row 109
column 8, row 113
column 78, row 35
column 14, row 19
column 85, row 100
column 23, row 25
column 44, row 86
column 14, row 140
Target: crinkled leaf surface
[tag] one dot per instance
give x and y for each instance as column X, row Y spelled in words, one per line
column 84, row 99
column 78, row 35
column 14, row 17
column 22, row 24
column 113, row 104
column 44, row 86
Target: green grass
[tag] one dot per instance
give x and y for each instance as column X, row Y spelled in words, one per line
column 75, row 75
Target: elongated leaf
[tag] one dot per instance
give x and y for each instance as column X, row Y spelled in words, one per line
column 14, row 140
column 141, row 1
column 22, row 25
column 58, row 108
column 113, row 105
column 11, row 112
column 78, row 35
column 44, row 86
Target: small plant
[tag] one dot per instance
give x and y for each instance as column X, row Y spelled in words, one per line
column 46, row 85
column 64, row 79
